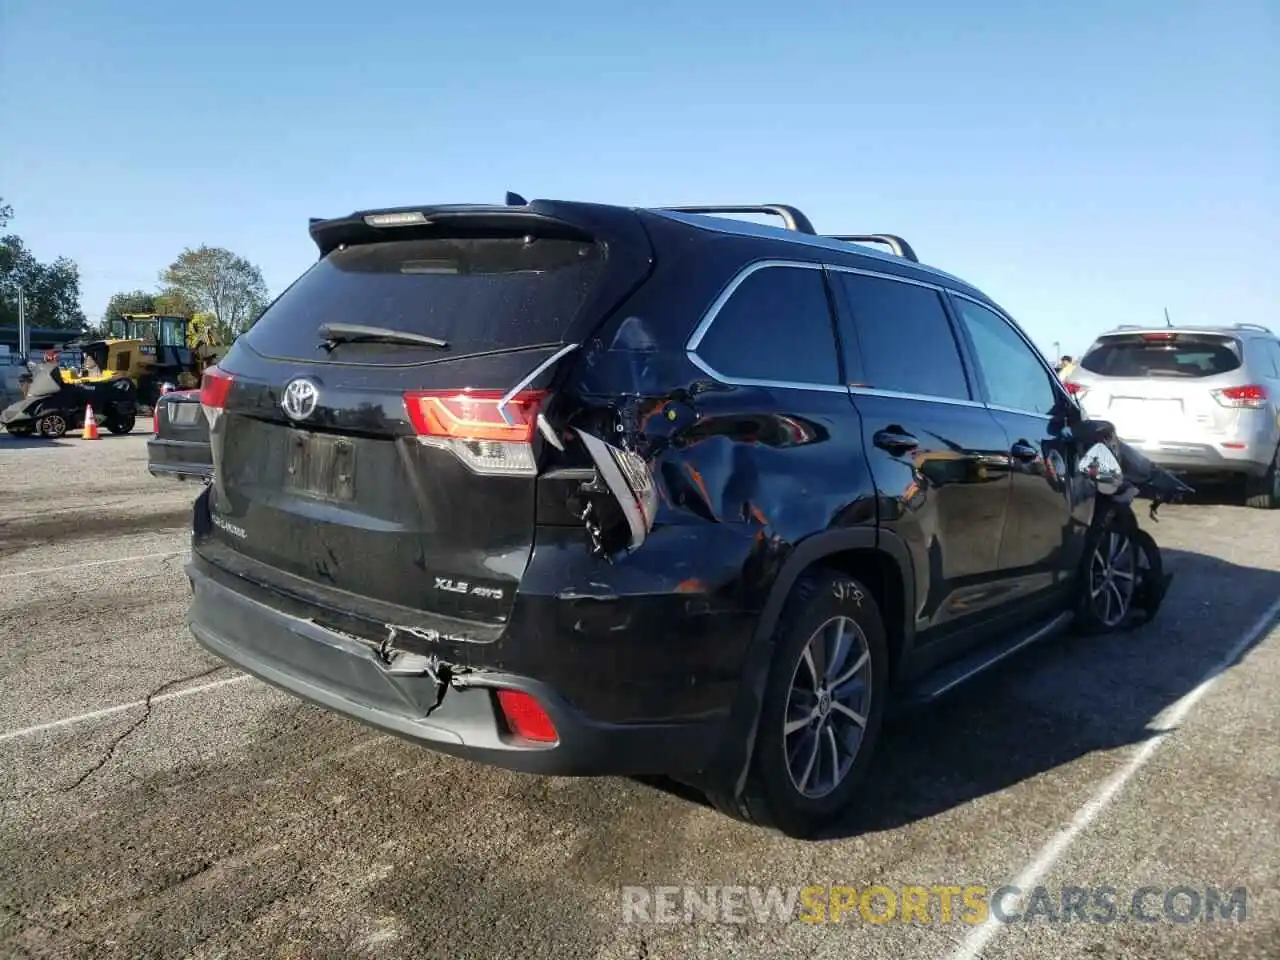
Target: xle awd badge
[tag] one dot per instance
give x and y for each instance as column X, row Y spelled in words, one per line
column 300, row 398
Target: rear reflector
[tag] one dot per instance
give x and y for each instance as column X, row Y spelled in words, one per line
column 525, row 717
column 1250, row 396
column 488, row 436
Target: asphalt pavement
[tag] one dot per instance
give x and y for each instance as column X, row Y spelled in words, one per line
column 156, row 803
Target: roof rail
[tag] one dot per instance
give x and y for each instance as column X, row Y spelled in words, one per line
column 899, row 246
column 1252, row 326
column 791, row 217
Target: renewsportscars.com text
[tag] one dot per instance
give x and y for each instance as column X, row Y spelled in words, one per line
column 947, row 904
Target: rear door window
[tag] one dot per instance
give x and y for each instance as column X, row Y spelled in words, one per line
column 776, row 327
column 479, row 295
column 1166, row 355
column 904, row 339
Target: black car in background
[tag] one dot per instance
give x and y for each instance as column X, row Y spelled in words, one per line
column 584, row 489
column 179, row 446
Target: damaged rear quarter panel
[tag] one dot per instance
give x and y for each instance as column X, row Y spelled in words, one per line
column 743, row 474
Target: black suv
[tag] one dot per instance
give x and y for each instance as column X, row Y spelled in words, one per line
column 584, row 489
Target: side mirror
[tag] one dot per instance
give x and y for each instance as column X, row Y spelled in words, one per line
column 1100, row 465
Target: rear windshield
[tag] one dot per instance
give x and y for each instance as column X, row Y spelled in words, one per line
column 476, row 294
column 1183, row 356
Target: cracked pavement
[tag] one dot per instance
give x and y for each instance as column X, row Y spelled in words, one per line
column 198, row 814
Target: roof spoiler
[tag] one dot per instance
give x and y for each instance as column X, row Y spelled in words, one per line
column 516, row 211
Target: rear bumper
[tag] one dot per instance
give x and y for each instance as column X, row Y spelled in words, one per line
column 346, row 675
column 1252, row 459
column 179, row 459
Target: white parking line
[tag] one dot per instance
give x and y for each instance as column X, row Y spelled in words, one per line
column 1163, row 725
column 93, row 563
column 120, row 708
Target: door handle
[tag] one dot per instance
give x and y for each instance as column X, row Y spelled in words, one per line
column 1024, row 451
column 895, row 440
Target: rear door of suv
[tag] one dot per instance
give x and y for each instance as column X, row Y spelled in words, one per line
column 371, row 451
column 938, row 456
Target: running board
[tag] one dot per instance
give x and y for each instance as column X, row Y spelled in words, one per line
column 946, row 678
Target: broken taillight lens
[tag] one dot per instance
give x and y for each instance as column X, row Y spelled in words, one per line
column 1250, row 396
column 488, row 436
column 525, row 717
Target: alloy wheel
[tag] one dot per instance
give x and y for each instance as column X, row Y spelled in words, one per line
column 827, row 707
column 1113, row 577
column 53, row 425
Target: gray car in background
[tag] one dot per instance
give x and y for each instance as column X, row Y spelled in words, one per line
column 1200, row 401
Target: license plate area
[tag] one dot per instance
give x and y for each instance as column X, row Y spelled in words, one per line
column 320, row 467
column 183, row 414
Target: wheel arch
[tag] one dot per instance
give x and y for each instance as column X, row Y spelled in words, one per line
column 874, row 556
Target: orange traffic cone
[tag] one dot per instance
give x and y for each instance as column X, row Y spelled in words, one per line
column 90, row 431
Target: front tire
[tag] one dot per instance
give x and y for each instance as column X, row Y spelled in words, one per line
column 823, row 705
column 1111, row 572
column 51, row 425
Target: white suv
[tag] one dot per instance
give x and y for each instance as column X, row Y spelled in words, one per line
column 1199, row 401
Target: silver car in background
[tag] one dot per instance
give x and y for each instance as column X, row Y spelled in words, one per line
column 1198, row 401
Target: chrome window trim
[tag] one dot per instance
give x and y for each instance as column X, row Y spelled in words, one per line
column 713, row 311
column 731, row 288
column 923, row 397
column 841, row 268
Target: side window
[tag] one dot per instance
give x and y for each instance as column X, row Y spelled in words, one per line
column 1273, row 350
column 775, row 326
column 1013, row 374
column 905, row 340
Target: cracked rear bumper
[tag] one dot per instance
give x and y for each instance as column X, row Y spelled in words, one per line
column 344, row 674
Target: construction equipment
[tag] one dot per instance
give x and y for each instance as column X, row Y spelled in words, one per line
column 151, row 349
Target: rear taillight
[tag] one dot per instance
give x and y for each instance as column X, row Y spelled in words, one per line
column 215, row 385
column 525, row 717
column 155, row 420
column 488, row 436
column 1252, row 395
column 1076, row 390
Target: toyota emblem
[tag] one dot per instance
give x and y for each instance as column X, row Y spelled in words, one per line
column 299, row 400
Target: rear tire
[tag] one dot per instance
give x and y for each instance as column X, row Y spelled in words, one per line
column 121, row 426
column 823, row 706
column 1263, row 493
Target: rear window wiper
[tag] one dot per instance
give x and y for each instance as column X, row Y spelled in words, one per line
column 332, row 334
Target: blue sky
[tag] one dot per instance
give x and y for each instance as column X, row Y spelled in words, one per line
column 1086, row 164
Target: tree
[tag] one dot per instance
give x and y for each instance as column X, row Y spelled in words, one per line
column 51, row 290
column 135, row 301
column 215, row 280
column 175, row 303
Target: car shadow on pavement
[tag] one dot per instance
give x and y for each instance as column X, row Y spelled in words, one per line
column 1062, row 699
column 10, row 442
